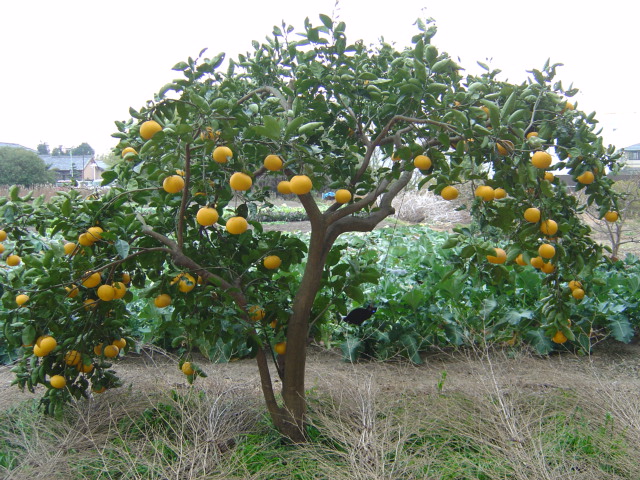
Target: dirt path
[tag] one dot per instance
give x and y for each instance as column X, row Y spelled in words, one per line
column 613, row 366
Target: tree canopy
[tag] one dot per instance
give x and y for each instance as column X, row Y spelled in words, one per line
column 314, row 112
column 23, row 167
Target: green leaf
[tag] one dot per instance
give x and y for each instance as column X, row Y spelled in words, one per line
column 355, row 293
column 411, row 347
column 420, row 70
column 65, row 208
column 539, row 341
column 294, row 125
column 414, row 298
column 310, row 127
column 621, row 329
column 108, row 177
column 122, row 248
column 326, row 20
column 351, row 348
column 272, row 127
column 180, row 66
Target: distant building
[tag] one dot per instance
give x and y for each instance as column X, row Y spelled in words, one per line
column 93, row 170
column 67, row 167
column 632, row 157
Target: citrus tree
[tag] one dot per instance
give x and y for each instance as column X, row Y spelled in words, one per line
column 314, row 112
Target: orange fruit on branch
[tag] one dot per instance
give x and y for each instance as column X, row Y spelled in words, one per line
column 541, row 160
column 149, row 128
column 222, row 154
column 300, row 184
column 237, row 225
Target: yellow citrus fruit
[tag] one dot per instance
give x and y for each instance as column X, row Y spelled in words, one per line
column 280, row 348
column 187, row 369
column 13, row 260
column 569, row 106
column 72, row 291
column 149, row 128
column 548, row 176
column 110, row 351
column 38, row 352
column 222, row 154
column 273, row 163
column 91, row 280
column 237, row 225
column 499, row 258
column 22, row 299
column 520, row 260
column 273, row 323
column 499, row 193
column 559, row 337
column 449, row 193
column 485, row 192
column 422, row 162
column 69, row 248
column 1, row 248
column 573, row 284
column 186, row 283
column 119, row 289
column 546, row 250
column 549, row 227
column 611, row 216
column 95, row 232
column 97, row 389
column 343, row 196
column 127, row 150
column 532, row 215
column 537, row 262
column 272, row 262
column 532, row 134
column 106, row 293
column 505, row 147
column 541, row 160
column 162, row 300
column 284, row 187
column 58, row 381
column 120, row 343
column 586, row 178
column 300, row 184
column 548, row 268
column 3, row 235
column 173, row 184
column 85, row 240
column 207, row 216
column 90, row 303
column 256, row 313
column 81, row 367
column 47, row 344
column 182, row 173
column 126, row 278
column 98, row 349
column 577, row 293
column 240, row 181
column 72, row 357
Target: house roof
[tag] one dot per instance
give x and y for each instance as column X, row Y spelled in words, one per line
column 101, row 165
column 64, row 162
column 16, row 145
column 632, row 147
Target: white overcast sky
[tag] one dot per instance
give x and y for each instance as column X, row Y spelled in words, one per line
column 69, row 69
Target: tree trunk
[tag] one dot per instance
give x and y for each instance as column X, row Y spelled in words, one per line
column 293, row 391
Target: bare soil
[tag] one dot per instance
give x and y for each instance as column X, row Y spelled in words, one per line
column 612, row 367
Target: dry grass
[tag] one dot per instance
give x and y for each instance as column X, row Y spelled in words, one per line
column 494, row 423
